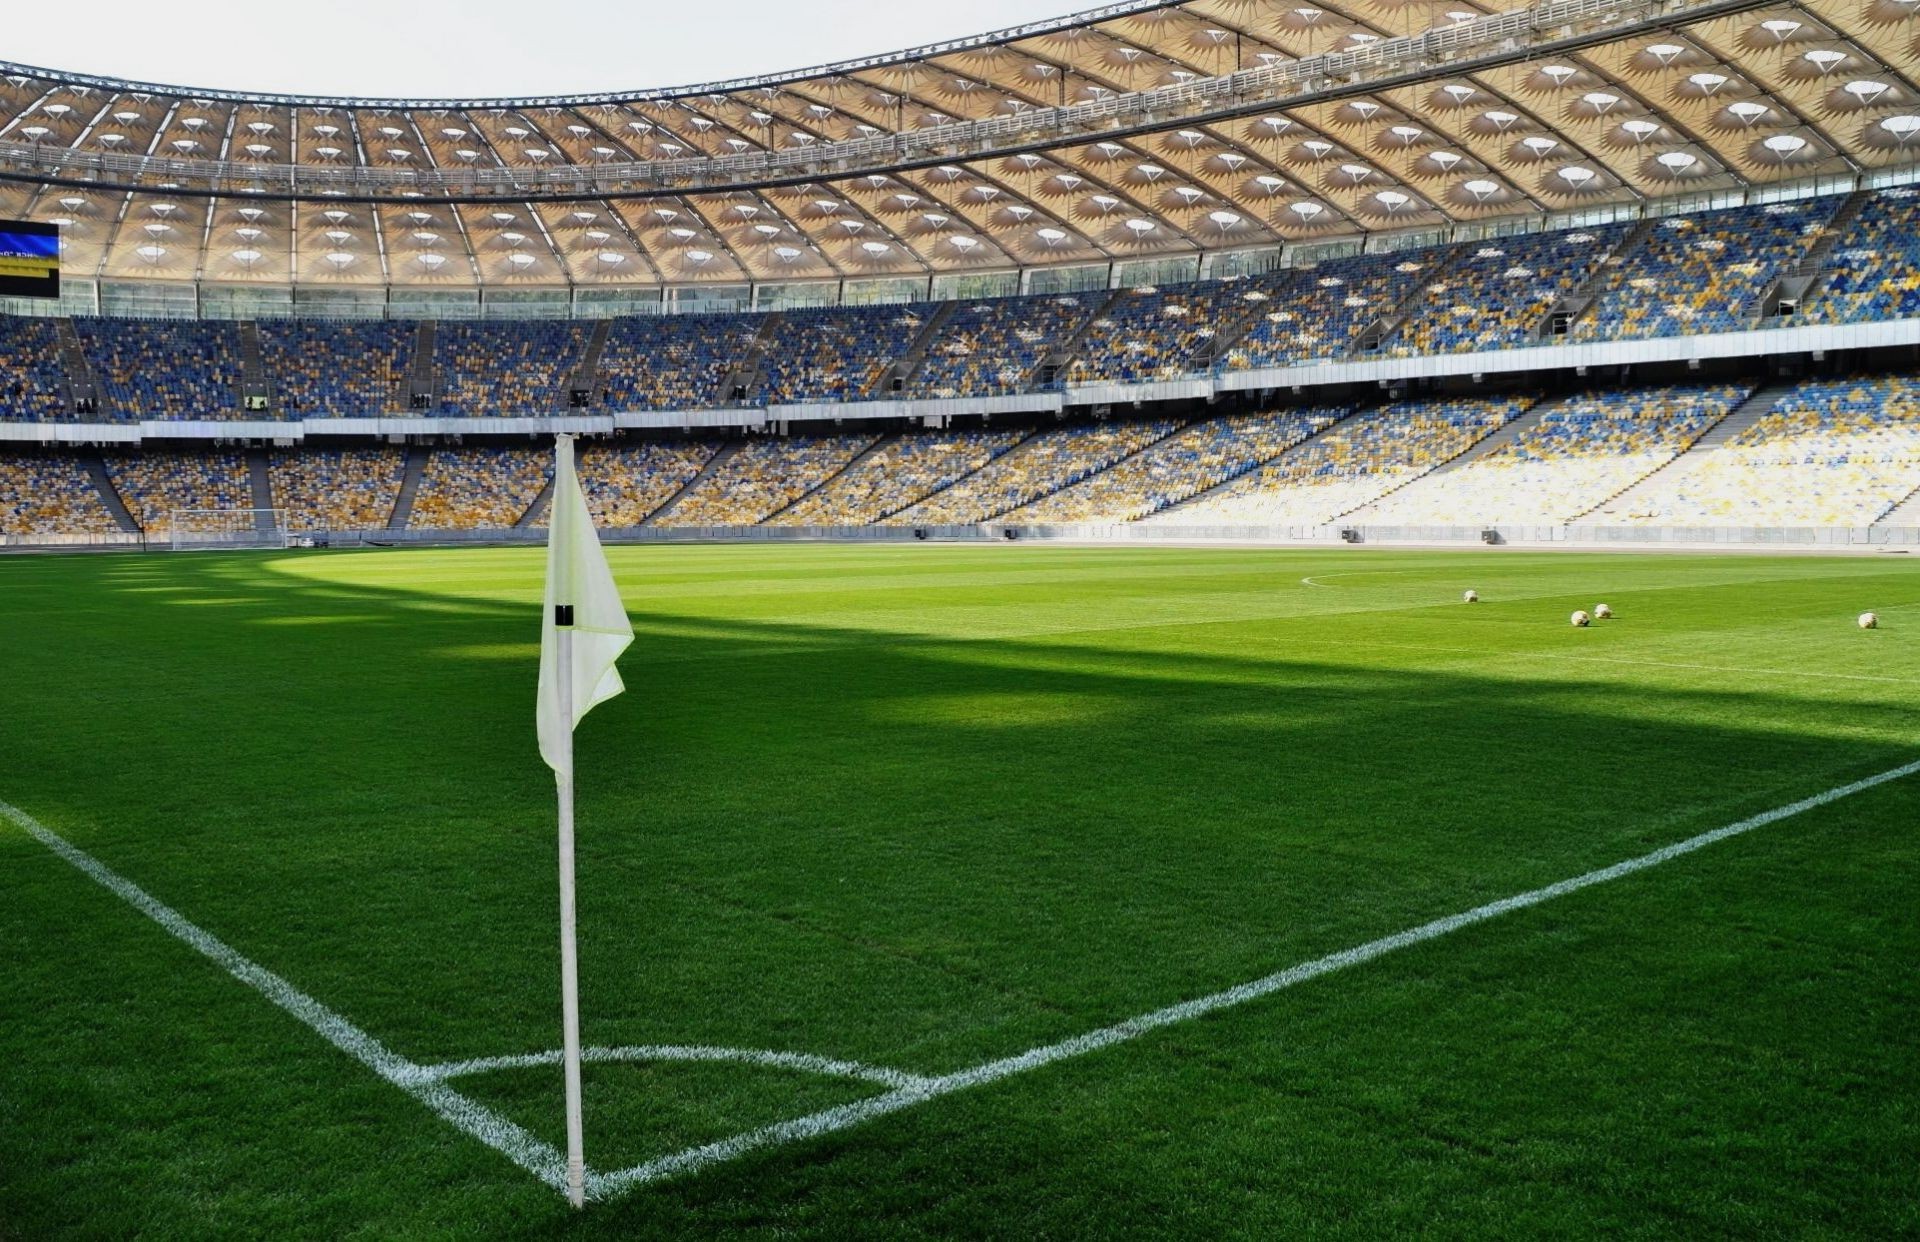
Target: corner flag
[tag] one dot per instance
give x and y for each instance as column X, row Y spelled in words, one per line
column 583, row 630
column 580, row 595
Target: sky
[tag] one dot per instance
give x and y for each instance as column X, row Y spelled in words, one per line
column 456, row 48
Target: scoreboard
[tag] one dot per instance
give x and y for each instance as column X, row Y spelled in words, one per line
column 29, row 260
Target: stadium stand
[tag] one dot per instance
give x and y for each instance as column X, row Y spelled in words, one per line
column 1705, row 272
column 836, row 353
column 1181, row 466
column 1831, row 453
column 1153, row 333
column 624, row 484
column 1499, row 292
column 155, row 484
column 663, row 362
column 764, row 476
column 897, row 475
column 1875, row 264
column 990, row 347
column 1043, row 464
column 50, row 494
column 166, row 368
column 1577, row 454
column 1327, row 308
column 33, row 379
column 507, row 368
column 337, row 489
column 325, row 369
column 1351, row 463
column 479, row 488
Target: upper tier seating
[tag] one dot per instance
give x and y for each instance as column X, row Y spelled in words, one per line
column 33, row 377
column 665, row 362
column 1831, row 453
column 896, row 475
column 1044, row 463
column 1326, row 309
column 1181, row 466
column 166, row 369
column 836, row 353
column 1155, row 333
column 322, row 369
column 502, row 369
column 477, row 488
column 624, row 484
column 1498, row 294
column 1874, row 270
column 337, row 489
column 763, row 477
column 153, row 484
column 1355, row 461
column 1704, row 273
column 992, row 347
column 50, row 494
column 1579, row 452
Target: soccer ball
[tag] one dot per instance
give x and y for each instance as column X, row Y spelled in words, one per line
column 1581, row 620
column 1869, row 621
column 1471, row 597
column 1602, row 612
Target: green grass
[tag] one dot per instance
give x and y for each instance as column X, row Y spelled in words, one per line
column 928, row 806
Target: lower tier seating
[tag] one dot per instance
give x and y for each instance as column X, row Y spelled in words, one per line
column 1352, row 463
column 337, row 489
column 50, row 494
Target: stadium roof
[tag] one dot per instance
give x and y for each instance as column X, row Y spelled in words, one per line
column 1136, row 130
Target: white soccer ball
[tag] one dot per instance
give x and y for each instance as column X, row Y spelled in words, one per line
column 1581, row 620
column 1602, row 611
column 1471, row 597
column 1869, row 621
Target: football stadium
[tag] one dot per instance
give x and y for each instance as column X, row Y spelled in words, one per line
column 1202, row 618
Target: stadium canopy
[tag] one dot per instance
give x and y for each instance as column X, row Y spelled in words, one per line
column 1135, row 131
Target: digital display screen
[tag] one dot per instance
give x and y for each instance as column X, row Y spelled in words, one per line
column 29, row 260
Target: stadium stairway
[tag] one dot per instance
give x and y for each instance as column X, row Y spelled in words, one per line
column 1015, row 447
column 1062, row 357
column 420, row 373
column 1904, row 512
column 260, row 484
column 1757, row 406
column 1470, row 453
column 831, row 479
column 714, row 462
column 1179, row 426
column 1585, row 297
column 587, row 378
column 744, row 375
column 536, row 513
column 109, row 494
column 409, row 488
column 900, row 372
column 1377, row 337
column 82, row 385
column 1227, row 482
column 254, row 385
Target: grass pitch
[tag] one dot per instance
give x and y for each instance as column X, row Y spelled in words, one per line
column 923, row 807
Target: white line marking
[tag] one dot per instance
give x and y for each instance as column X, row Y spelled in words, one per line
column 804, row 1062
column 530, row 1153
column 848, row 1115
column 426, row 1084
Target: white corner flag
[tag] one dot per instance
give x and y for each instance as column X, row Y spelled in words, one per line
column 583, row 630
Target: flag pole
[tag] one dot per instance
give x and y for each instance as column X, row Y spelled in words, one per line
column 569, row 953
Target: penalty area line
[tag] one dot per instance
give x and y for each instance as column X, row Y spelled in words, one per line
column 846, row 1116
column 532, row 1154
